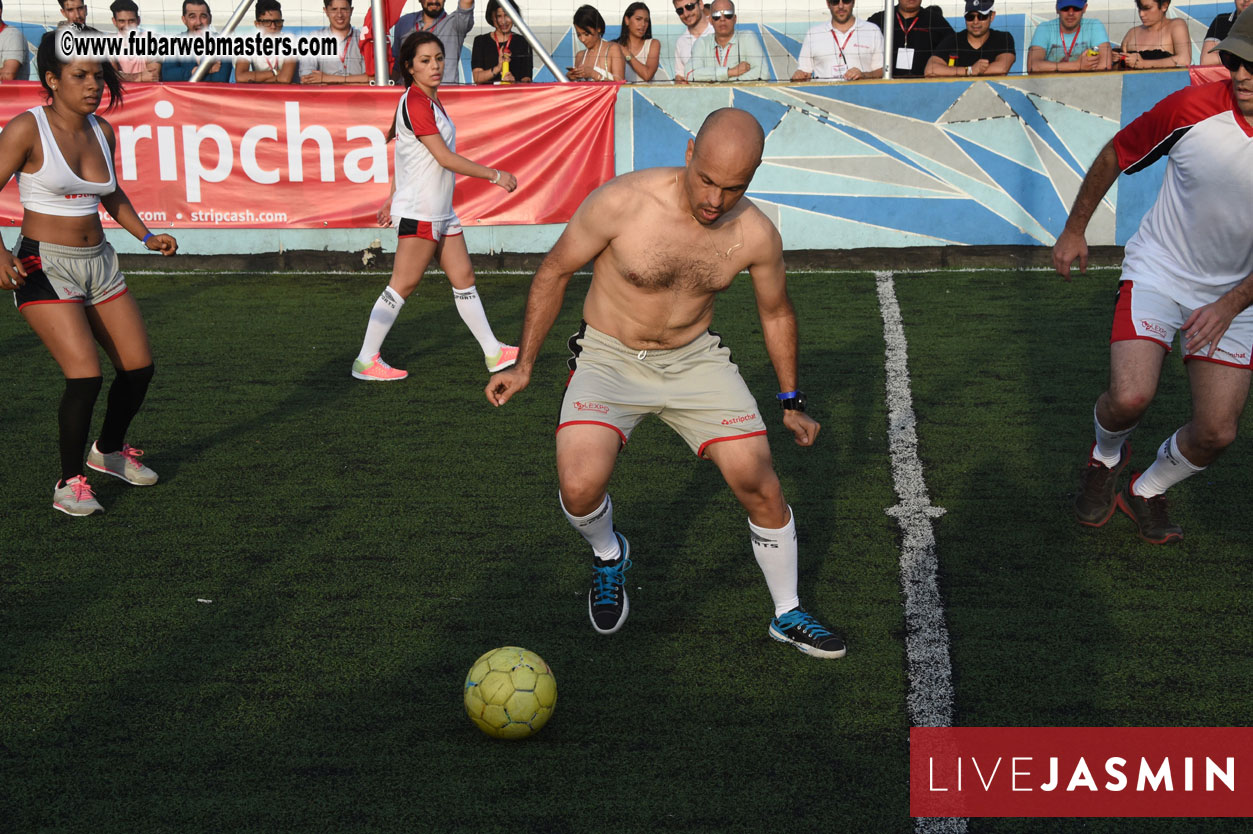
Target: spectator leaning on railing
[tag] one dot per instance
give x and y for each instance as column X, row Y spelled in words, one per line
column 346, row 67
column 450, row 28
column 1070, row 42
column 267, row 69
column 845, row 49
column 125, row 20
column 1158, row 42
column 198, row 19
column 693, row 16
column 918, row 32
column 14, row 54
column 977, row 50
column 600, row 60
column 641, row 53
column 728, row 55
column 500, row 55
column 1218, row 30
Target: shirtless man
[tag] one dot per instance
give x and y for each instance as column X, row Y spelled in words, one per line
column 645, row 348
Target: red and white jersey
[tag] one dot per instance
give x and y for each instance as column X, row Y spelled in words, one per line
column 423, row 186
column 1196, row 235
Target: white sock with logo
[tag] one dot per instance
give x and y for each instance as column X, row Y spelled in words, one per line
column 1109, row 443
column 475, row 317
column 382, row 317
column 777, row 557
column 1170, row 468
column 597, row 528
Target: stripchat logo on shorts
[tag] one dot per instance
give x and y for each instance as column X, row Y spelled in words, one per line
column 744, row 418
column 1081, row 772
column 599, row 408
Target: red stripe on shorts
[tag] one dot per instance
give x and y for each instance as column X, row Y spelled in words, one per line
column 425, row 231
column 617, row 430
column 1124, row 328
column 701, row 451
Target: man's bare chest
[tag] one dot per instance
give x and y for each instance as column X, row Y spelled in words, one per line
column 700, row 263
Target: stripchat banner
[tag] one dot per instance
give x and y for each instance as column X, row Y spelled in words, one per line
column 225, row 155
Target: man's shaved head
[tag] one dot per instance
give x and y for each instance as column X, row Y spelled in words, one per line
column 728, row 132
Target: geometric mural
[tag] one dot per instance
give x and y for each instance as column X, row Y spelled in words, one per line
column 924, row 163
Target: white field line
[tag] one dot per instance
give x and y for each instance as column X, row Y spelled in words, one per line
column 930, row 699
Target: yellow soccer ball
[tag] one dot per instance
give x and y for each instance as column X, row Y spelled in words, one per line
column 510, row 692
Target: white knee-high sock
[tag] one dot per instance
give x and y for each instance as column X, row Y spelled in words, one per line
column 1108, row 443
column 597, row 528
column 472, row 313
column 1170, row 468
column 776, row 556
column 382, row 317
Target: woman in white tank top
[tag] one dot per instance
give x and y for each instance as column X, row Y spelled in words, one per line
column 64, row 273
column 600, row 60
column 641, row 52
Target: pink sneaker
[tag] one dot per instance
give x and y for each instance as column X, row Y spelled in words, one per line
column 74, row 497
column 376, row 370
column 507, row 357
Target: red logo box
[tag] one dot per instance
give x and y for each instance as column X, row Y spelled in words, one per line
column 1081, row 772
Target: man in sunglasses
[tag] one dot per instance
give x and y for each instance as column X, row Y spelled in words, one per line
column 976, row 50
column 728, row 55
column 846, row 49
column 1188, row 269
column 918, row 32
column 692, row 15
column 1070, row 43
column 1219, row 29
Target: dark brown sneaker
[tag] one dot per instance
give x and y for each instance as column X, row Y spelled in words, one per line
column 1149, row 514
column 1098, row 489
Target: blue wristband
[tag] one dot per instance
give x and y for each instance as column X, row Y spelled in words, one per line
column 788, row 395
column 145, row 238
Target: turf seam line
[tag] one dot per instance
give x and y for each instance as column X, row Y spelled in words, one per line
column 930, row 699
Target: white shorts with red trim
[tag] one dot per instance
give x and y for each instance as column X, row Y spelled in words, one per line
column 1146, row 312
column 427, row 229
column 695, row 389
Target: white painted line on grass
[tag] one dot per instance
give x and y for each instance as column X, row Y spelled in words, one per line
column 930, row 699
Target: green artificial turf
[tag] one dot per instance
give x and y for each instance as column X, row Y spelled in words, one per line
column 362, row 544
column 356, row 547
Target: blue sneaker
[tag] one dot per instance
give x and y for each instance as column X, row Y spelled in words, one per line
column 806, row 634
column 607, row 603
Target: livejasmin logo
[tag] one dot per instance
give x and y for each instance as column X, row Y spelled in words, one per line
column 1021, row 772
column 195, row 146
column 1081, row 772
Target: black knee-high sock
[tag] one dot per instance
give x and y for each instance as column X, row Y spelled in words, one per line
column 74, row 420
column 126, row 395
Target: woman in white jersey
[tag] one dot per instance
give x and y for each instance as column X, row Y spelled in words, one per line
column 65, row 274
column 421, row 208
column 642, row 53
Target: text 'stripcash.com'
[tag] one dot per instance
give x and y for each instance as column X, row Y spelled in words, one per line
column 73, row 43
column 1081, row 771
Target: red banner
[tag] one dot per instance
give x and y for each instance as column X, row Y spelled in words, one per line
column 1081, row 772
column 220, row 155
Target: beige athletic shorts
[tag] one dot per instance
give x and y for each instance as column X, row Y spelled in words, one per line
column 695, row 389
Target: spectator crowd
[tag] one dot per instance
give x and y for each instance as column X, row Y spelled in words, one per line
column 713, row 47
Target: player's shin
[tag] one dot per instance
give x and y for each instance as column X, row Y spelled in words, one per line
column 776, row 555
column 382, row 317
column 597, row 528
